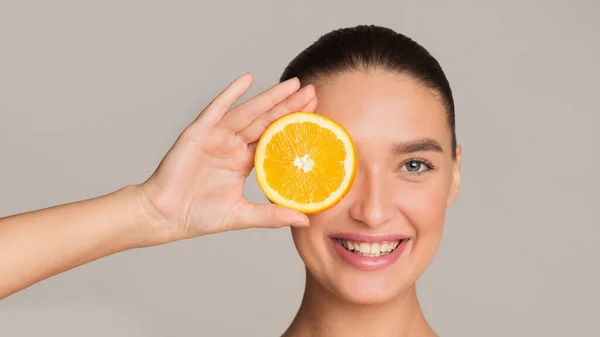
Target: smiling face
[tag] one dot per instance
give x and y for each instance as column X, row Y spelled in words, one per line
column 379, row 239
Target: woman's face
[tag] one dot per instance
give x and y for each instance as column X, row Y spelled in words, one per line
column 394, row 213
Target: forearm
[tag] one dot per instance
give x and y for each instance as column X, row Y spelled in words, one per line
column 37, row 245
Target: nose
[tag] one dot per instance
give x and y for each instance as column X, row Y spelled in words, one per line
column 372, row 202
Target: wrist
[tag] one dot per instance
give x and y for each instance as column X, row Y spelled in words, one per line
column 151, row 227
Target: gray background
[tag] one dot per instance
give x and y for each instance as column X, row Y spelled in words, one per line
column 93, row 93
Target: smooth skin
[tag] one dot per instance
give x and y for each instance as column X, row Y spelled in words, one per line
column 196, row 190
column 406, row 179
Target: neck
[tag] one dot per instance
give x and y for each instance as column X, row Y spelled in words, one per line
column 322, row 313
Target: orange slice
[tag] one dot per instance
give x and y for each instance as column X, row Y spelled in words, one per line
column 305, row 162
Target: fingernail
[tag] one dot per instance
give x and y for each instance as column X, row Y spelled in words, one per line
column 299, row 224
column 309, row 87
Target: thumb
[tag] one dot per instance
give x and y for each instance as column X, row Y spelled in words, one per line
column 250, row 215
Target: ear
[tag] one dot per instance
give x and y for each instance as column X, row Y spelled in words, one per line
column 455, row 185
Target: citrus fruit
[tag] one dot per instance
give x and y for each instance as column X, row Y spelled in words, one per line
column 305, row 162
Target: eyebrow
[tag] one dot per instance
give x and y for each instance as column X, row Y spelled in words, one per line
column 419, row 145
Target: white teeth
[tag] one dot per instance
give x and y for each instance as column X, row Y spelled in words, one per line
column 373, row 249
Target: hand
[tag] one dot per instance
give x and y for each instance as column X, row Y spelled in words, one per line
column 197, row 188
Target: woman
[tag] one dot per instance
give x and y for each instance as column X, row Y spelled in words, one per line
column 362, row 256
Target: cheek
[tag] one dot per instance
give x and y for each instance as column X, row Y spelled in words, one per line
column 311, row 241
column 424, row 205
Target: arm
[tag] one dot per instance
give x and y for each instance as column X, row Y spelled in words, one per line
column 37, row 245
column 196, row 190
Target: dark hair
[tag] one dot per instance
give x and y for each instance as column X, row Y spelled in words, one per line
column 370, row 48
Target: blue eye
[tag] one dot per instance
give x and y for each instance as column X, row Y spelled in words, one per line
column 416, row 166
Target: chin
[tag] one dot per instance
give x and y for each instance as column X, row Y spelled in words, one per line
column 358, row 280
column 369, row 288
column 360, row 285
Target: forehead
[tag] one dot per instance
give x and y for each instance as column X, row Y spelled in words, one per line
column 383, row 108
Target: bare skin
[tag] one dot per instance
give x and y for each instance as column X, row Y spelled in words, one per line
column 323, row 314
column 406, row 179
column 196, row 190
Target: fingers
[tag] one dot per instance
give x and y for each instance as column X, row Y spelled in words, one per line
column 267, row 216
column 243, row 115
column 311, row 106
column 302, row 100
column 252, row 147
column 213, row 113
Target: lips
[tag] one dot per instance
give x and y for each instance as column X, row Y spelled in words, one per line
column 369, row 252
